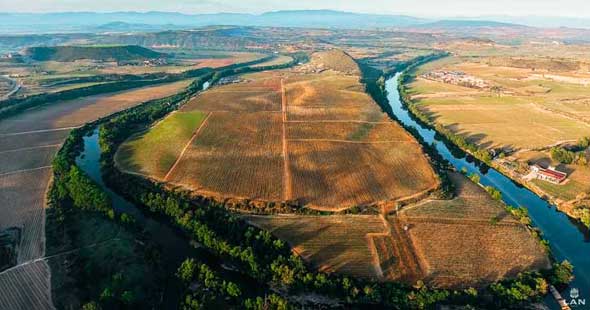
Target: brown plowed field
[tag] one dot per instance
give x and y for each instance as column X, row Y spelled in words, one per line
column 466, row 241
column 237, row 155
column 443, row 245
column 28, row 142
column 315, row 138
column 368, row 172
column 330, row 243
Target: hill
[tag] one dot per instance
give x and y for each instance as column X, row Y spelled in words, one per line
column 336, row 60
column 108, row 52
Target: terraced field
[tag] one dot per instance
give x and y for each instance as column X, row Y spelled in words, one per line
column 28, row 142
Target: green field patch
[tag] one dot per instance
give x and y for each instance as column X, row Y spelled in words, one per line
column 153, row 152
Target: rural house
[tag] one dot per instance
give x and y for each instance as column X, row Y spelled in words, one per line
column 549, row 174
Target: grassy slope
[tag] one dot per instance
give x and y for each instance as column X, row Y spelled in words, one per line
column 71, row 53
column 153, row 152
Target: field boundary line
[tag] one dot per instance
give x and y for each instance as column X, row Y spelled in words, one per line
column 287, row 190
column 44, row 258
column 31, row 148
column 339, row 121
column 24, row 170
column 374, row 254
column 458, row 221
column 186, row 146
column 38, row 131
column 350, row 141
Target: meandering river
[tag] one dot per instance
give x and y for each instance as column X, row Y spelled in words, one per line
column 569, row 240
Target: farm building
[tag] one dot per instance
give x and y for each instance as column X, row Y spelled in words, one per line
column 549, row 174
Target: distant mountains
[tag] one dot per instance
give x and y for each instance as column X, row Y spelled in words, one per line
column 156, row 21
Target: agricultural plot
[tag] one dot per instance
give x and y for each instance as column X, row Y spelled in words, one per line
column 489, row 253
column 528, row 106
column 348, row 131
column 467, row 241
column 317, row 139
column 26, row 287
column 28, row 144
column 330, row 243
column 279, row 60
column 370, row 172
column 320, row 97
column 236, row 155
column 75, row 112
column 493, row 245
column 155, row 151
column 234, row 98
column 23, row 202
column 14, row 161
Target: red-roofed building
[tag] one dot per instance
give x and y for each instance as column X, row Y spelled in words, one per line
column 549, row 174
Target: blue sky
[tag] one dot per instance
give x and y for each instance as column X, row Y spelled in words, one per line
column 570, row 8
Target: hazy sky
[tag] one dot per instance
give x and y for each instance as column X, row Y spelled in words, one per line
column 571, row 8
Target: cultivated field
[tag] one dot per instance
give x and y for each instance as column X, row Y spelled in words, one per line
column 236, row 155
column 531, row 104
column 27, row 287
column 75, row 112
column 467, row 241
column 28, row 142
column 154, row 152
column 536, row 104
column 369, row 172
column 279, row 60
column 493, row 245
column 316, row 138
column 331, row 243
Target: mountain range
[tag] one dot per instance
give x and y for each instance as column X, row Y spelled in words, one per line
column 155, row 21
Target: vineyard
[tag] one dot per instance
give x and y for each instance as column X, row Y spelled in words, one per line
column 154, row 152
column 28, row 143
column 330, row 243
column 369, row 172
column 287, row 135
column 235, row 154
column 26, row 287
column 71, row 113
column 493, row 245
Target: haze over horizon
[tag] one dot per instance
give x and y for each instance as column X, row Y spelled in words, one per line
column 420, row 8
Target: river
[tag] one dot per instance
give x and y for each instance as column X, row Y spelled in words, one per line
column 174, row 246
column 569, row 240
